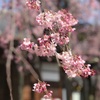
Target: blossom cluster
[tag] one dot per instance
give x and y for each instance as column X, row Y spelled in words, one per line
column 41, row 87
column 33, row 4
column 60, row 26
column 45, row 47
column 61, row 21
column 74, row 65
column 26, row 45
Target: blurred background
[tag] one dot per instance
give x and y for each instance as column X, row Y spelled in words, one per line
column 17, row 22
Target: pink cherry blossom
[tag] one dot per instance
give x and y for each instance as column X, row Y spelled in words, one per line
column 59, row 39
column 87, row 71
column 74, row 65
column 46, row 18
column 45, row 47
column 41, row 87
column 67, row 18
column 54, row 31
column 27, row 44
column 33, row 4
column 59, row 25
column 48, row 95
column 61, row 19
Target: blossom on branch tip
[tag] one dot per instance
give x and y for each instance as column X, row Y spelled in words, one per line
column 46, row 18
column 59, row 39
column 33, row 4
column 59, row 20
column 27, row 44
column 67, row 18
column 46, row 47
column 41, row 87
column 74, row 65
column 48, row 95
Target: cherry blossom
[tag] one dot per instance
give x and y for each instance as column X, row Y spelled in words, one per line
column 27, row 44
column 41, row 87
column 61, row 19
column 74, row 65
column 48, row 95
column 33, row 4
column 59, row 26
column 59, row 39
column 45, row 47
column 67, row 18
column 88, row 72
column 46, row 18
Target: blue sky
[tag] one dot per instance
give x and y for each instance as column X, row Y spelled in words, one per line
column 0, row 3
column 91, row 20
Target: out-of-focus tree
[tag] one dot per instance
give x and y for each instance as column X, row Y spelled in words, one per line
column 88, row 12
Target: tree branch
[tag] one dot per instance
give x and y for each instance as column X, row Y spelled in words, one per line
column 26, row 63
column 8, row 69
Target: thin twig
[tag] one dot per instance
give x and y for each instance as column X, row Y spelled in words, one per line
column 58, row 62
column 26, row 63
column 9, row 58
column 8, row 69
